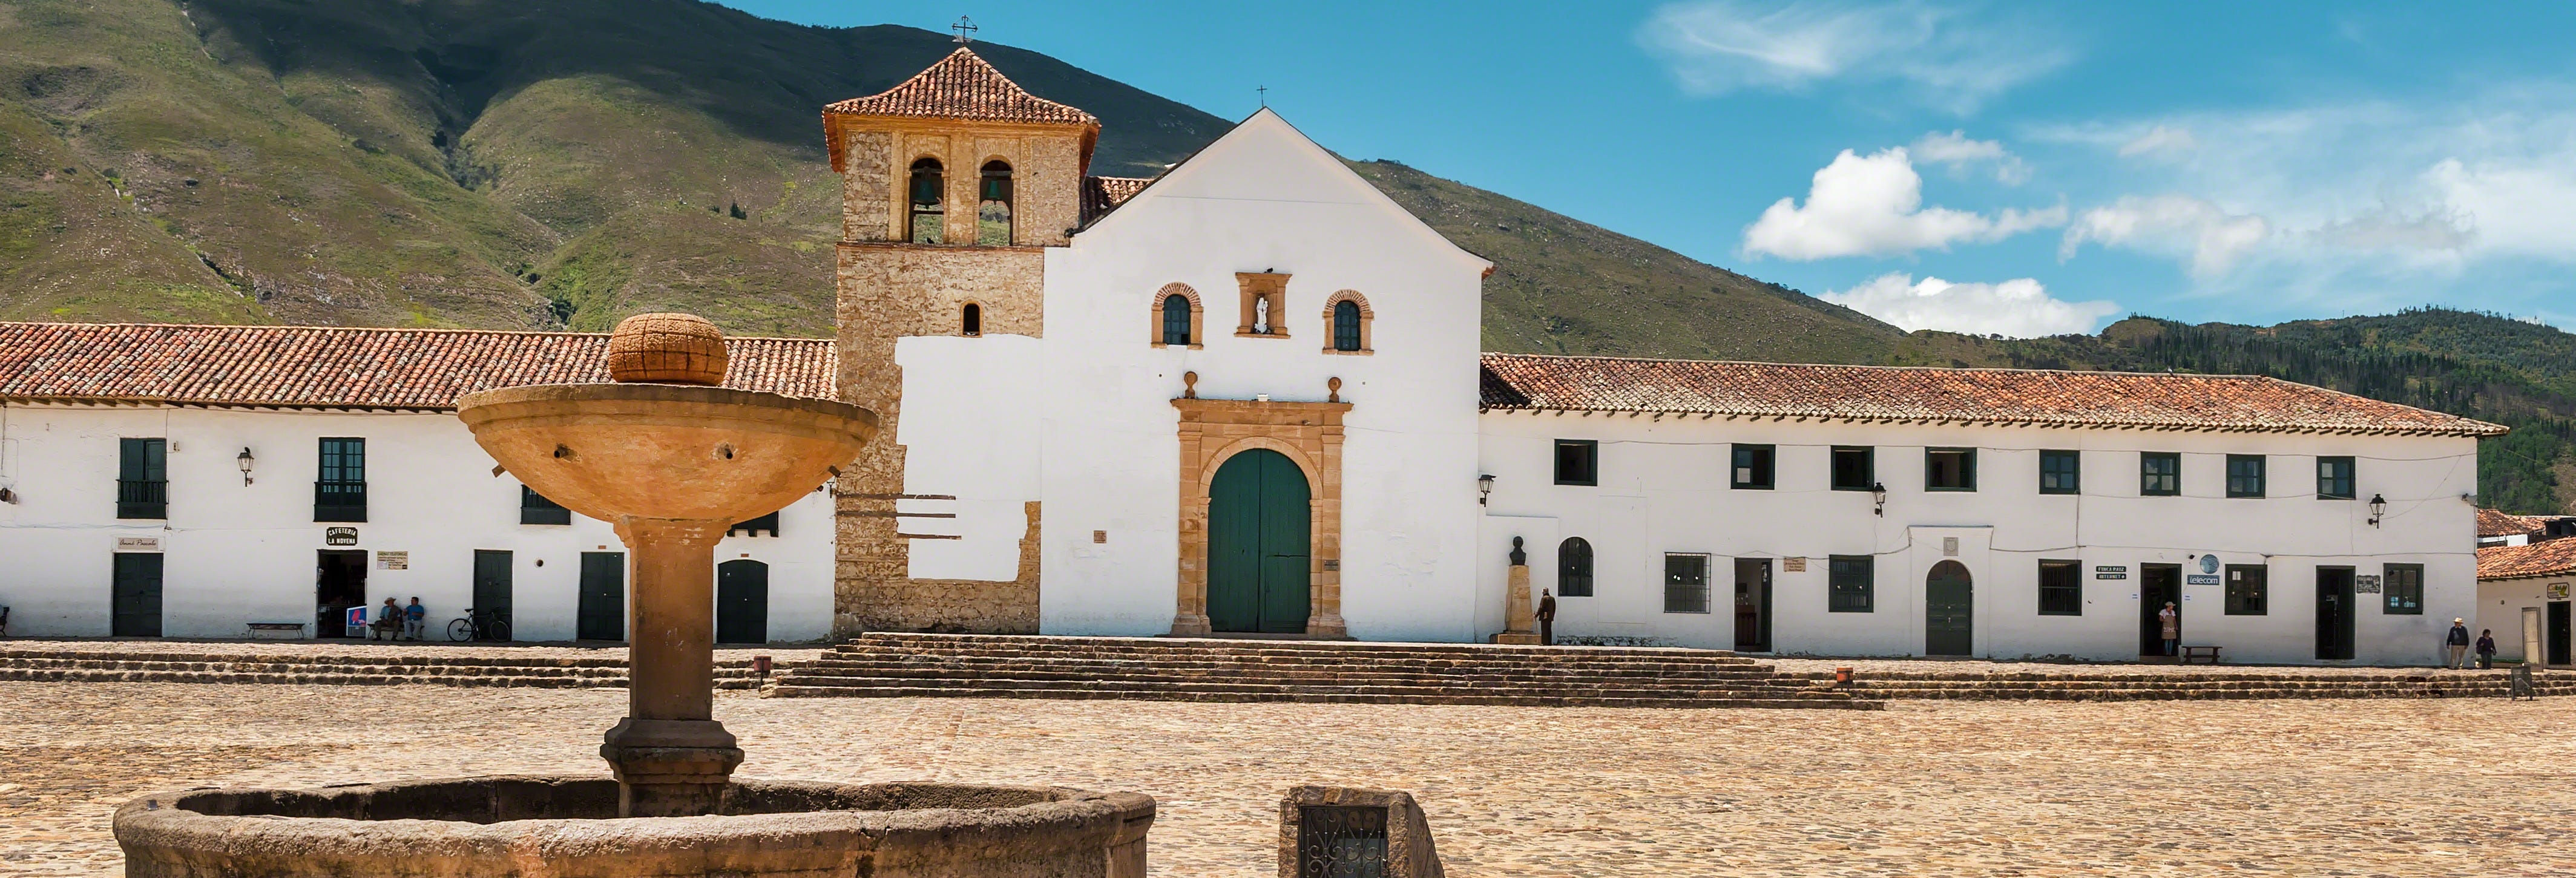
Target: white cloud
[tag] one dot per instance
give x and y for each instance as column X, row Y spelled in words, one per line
column 2020, row 308
column 1960, row 153
column 1873, row 206
column 2161, row 142
column 2173, row 224
column 1949, row 57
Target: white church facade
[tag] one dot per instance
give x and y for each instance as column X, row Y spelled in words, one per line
column 1246, row 398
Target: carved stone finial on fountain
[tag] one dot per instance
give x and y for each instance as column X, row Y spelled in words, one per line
column 666, row 348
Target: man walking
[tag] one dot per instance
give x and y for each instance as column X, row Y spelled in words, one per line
column 415, row 617
column 2458, row 642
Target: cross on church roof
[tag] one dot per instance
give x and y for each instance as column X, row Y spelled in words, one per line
column 963, row 27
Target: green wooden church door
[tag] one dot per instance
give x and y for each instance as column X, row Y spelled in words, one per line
column 1949, row 624
column 1257, row 545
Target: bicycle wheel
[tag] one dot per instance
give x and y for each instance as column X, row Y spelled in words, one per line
column 460, row 630
column 496, row 630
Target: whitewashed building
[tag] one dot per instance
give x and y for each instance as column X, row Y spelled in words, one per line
column 195, row 481
column 2524, row 599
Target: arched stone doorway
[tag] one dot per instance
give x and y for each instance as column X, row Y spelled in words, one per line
column 1259, row 516
column 1949, row 615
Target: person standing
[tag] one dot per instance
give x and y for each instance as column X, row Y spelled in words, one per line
column 2486, row 649
column 2172, row 622
column 1546, row 618
column 2458, row 642
column 415, row 618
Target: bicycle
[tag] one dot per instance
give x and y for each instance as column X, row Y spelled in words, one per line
column 479, row 625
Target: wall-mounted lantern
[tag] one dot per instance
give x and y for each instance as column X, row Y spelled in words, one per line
column 2378, row 509
column 244, row 461
column 1878, row 495
column 1484, row 488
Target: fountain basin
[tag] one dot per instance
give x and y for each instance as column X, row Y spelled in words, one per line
column 665, row 451
column 567, row 827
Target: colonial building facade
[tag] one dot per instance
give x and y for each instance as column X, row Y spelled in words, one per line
column 1245, row 397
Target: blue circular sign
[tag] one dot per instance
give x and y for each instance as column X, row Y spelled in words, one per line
column 2208, row 563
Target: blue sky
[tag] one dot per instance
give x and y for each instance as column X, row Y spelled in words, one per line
column 2022, row 169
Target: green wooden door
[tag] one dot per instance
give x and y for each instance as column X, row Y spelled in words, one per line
column 135, row 601
column 1949, row 623
column 601, row 612
column 742, row 602
column 1257, row 545
column 492, row 583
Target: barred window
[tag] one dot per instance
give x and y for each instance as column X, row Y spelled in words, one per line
column 1574, row 568
column 1851, row 584
column 1685, row 583
column 2061, row 588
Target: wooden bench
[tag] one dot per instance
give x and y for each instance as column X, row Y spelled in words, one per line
column 275, row 630
column 2191, row 654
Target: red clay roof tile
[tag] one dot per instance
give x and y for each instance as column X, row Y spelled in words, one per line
column 1994, row 396
column 2550, row 558
column 1100, row 195
column 2498, row 523
column 963, row 86
column 341, row 367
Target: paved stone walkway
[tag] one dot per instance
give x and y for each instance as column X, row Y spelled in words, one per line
column 2396, row 788
column 145, row 649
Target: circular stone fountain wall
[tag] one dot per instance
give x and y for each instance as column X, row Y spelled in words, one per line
column 569, row 828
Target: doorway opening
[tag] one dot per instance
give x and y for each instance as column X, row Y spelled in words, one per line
column 2334, row 613
column 742, row 602
column 2559, row 633
column 492, row 587
column 1753, row 605
column 2158, row 585
column 1949, row 614
column 134, row 603
column 339, row 582
column 1259, row 525
column 601, row 614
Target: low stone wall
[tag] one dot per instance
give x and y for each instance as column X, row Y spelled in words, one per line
column 566, row 828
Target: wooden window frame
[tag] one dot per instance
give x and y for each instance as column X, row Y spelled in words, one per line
column 1591, row 454
column 1767, row 470
column 535, row 508
column 1845, row 597
column 2389, row 604
column 2147, row 477
column 2351, row 478
column 143, row 479
column 1868, row 467
column 1332, row 329
column 2250, row 600
column 1574, row 566
column 1198, row 316
column 1705, row 564
column 325, row 486
column 1967, row 470
column 2074, row 471
column 2262, row 476
column 2073, row 590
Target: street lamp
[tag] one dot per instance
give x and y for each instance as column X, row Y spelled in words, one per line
column 1484, row 488
column 244, row 461
column 1878, row 494
column 2378, row 509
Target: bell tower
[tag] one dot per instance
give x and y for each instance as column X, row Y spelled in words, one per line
column 953, row 184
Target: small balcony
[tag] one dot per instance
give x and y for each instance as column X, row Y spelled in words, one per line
column 142, row 499
column 339, row 501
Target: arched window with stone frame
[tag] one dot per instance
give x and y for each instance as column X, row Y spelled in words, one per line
column 1347, row 317
column 1574, row 568
column 970, row 320
column 1178, row 316
column 927, row 217
column 993, row 205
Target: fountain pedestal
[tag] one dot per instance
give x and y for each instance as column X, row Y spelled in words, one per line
column 671, row 758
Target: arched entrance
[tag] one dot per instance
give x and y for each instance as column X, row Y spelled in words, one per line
column 1258, row 531
column 1949, row 620
column 742, row 602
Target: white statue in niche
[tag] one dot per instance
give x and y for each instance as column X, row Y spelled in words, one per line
column 1261, row 316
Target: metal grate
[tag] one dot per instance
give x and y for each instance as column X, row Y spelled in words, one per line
column 1341, row 841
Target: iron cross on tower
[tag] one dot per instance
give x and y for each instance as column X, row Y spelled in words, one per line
column 963, row 27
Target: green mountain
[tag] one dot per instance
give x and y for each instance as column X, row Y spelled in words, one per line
column 564, row 163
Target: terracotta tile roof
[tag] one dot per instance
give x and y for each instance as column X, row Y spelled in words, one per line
column 1993, row 396
column 338, row 367
column 1100, row 195
column 2495, row 523
column 963, row 86
column 2551, row 558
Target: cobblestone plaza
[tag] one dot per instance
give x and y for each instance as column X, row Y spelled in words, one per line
column 2335, row 787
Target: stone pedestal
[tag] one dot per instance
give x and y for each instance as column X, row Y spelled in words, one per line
column 671, row 757
column 1519, row 620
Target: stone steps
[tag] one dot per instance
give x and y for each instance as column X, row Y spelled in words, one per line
column 1182, row 669
column 354, row 670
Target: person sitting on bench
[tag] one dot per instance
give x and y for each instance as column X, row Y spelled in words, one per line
column 389, row 622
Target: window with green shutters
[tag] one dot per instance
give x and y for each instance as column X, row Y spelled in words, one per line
column 2061, row 588
column 1855, row 468
column 2249, row 591
column 534, row 508
column 2402, row 588
column 340, row 492
column 1851, row 584
column 2160, row 474
column 2245, row 475
column 1949, row 469
column 143, row 478
column 2334, row 478
column 1752, row 468
column 1578, row 462
column 2060, row 472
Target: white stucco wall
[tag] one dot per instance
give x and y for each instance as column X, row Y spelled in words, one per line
column 235, row 554
column 2501, row 603
column 1663, row 488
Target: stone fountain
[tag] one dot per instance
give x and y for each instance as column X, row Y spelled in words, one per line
column 671, row 459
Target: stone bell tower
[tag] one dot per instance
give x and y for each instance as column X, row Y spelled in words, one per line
column 953, row 183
